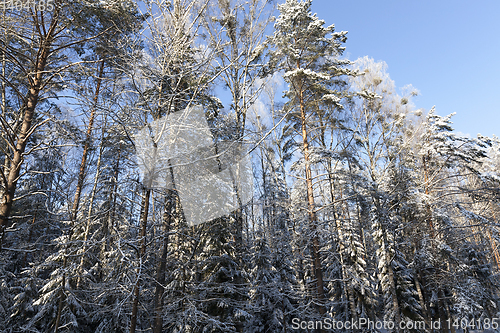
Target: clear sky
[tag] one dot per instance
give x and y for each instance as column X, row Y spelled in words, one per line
column 448, row 50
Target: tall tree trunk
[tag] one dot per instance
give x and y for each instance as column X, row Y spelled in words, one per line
column 239, row 104
column 442, row 310
column 349, row 290
column 162, row 263
column 88, row 138
column 421, row 299
column 6, row 163
column 347, row 293
column 425, row 161
column 91, row 205
column 394, row 296
column 338, row 229
column 59, row 307
column 108, row 225
column 450, row 316
column 26, row 128
column 74, row 212
column 142, row 252
column 318, row 271
column 494, row 248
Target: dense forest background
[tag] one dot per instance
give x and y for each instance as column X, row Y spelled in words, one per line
column 364, row 207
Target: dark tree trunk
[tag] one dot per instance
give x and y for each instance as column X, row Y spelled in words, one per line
column 162, row 263
column 142, row 252
column 88, row 138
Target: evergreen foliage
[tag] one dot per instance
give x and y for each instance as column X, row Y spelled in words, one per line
column 363, row 206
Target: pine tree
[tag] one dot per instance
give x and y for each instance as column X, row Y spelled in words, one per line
column 308, row 53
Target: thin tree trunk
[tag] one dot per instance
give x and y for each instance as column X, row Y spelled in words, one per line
column 422, row 300
column 108, row 225
column 5, row 169
column 91, row 205
column 160, row 273
column 30, row 236
column 425, row 161
column 59, row 307
column 450, row 316
column 265, row 213
column 318, row 271
column 349, row 290
column 142, row 252
column 442, row 310
column 494, row 249
column 240, row 111
column 347, row 294
column 338, row 229
column 283, row 310
column 395, row 303
column 358, row 211
column 88, row 138
column 392, row 280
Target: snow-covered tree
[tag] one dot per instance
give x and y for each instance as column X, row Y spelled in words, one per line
column 309, row 55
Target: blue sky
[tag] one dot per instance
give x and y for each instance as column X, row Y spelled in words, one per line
column 448, row 50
